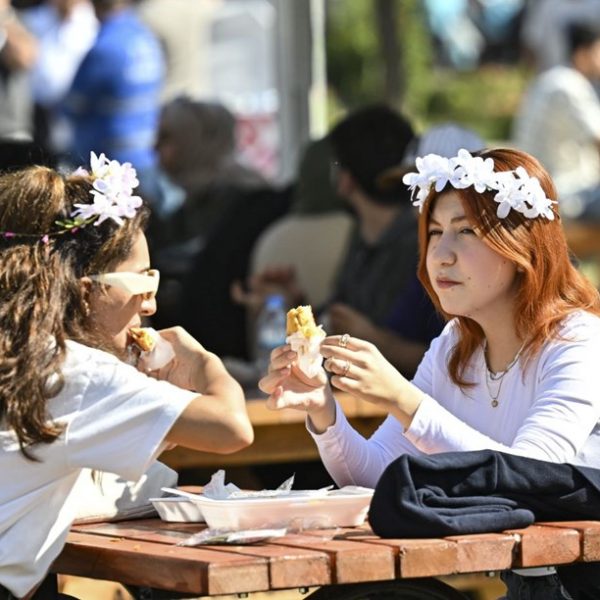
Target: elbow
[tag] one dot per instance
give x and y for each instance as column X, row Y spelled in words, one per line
column 241, row 436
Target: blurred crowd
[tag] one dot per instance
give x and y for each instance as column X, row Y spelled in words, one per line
column 121, row 77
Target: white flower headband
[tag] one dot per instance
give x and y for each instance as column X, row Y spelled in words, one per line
column 113, row 185
column 515, row 189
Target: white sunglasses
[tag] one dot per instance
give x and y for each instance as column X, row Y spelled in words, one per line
column 135, row 283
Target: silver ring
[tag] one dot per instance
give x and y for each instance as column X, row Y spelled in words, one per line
column 344, row 340
column 347, row 366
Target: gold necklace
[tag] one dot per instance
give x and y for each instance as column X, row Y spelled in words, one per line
column 491, row 377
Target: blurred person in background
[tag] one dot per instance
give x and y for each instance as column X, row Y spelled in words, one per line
column 545, row 26
column 559, row 123
column 382, row 252
column 65, row 31
column 18, row 52
column 114, row 101
column 202, row 241
column 380, row 261
column 196, row 149
column 183, row 29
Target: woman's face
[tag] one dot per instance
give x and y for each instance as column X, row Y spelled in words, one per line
column 469, row 278
column 112, row 309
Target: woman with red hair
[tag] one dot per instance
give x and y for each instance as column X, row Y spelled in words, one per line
column 515, row 368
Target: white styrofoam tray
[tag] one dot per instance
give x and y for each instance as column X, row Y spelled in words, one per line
column 335, row 509
column 182, row 510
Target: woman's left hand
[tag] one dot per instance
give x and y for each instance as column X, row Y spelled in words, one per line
column 360, row 369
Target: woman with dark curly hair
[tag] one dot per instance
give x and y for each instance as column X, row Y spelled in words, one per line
column 75, row 277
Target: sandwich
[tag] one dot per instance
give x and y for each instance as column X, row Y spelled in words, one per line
column 148, row 349
column 142, row 338
column 305, row 337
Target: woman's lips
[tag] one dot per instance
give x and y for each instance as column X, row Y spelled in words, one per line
column 445, row 284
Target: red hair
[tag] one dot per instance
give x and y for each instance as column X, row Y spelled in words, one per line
column 548, row 286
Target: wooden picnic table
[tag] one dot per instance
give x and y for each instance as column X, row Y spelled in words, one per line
column 279, row 436
column 143, row 553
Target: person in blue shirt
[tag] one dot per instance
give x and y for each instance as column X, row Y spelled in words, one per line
column 114, row 100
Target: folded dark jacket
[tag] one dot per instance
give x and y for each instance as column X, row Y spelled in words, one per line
column 475, row 492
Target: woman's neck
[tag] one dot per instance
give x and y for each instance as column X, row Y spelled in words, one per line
column 502, row 346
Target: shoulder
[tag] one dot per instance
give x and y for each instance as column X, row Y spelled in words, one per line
column 563, row 79
column 577, row 341
column 91, row 363
column 80, row 353
column 580, row 325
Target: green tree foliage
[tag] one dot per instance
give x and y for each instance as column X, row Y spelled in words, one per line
column 484, row 99
column 354, row 67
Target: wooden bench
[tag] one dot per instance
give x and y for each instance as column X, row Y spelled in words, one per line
column 143, row 553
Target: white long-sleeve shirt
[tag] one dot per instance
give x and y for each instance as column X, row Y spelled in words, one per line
column 550, row 411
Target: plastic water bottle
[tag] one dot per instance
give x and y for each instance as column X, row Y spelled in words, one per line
column 270, row 330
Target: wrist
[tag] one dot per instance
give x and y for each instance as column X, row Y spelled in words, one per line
column 322, row 417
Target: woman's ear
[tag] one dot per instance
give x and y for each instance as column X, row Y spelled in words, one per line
column 86, row 289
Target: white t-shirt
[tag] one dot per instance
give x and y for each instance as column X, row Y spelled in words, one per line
column 116, row 419
column 559, row 123
column 550, row 412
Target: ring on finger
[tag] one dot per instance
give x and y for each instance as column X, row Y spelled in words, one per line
column 346, row 368
column 344, row 340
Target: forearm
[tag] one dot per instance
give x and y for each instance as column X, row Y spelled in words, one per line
column 19, row 50
column 222, row 406
column 212, row 424
column 351, row 459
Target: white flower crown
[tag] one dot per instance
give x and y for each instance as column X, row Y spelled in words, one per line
column 113, row 192
column 515, row 189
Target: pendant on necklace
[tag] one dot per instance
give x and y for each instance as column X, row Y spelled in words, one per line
column 494, row 403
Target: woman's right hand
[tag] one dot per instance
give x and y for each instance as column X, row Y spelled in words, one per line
column 289, row 387
column 186, row 370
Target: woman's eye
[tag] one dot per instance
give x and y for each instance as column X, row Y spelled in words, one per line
column 433, row 232
column 467, row 230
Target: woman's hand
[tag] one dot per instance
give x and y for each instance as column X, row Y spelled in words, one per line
column 289, row 387
column 360, row 369
column 187, row 369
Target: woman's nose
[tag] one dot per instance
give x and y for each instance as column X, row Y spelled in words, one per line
column 444, row 252
column 148, row 306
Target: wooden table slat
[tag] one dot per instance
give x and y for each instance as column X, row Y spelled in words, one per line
column 193, row 570
column 351, row 561
column 484, row 552
column 541, row 545
column 590, row 537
